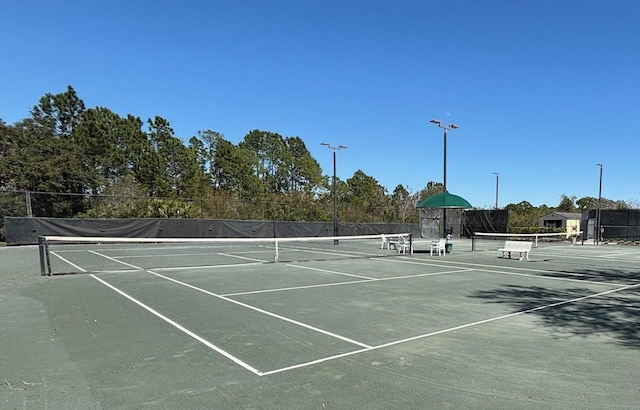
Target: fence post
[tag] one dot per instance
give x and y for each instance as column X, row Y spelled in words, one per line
column 28, row 201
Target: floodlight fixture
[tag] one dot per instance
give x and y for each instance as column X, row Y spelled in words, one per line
column 339, row 147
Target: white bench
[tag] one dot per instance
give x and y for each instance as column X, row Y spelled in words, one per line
column 400, row 243
column 390, row 242
column 522, row 247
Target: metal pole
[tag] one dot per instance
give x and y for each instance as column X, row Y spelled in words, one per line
column 444, row 178
column 444, row 186
column 335, row 201
column 496, row 189
column 597, row 227
column 335, row 191
column 29, row 209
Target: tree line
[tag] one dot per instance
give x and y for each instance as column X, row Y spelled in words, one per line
column 91, row 162
column 73, row 161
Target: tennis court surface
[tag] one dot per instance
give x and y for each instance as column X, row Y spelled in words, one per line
column 174, row 328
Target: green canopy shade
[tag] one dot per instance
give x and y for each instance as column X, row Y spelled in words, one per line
column 444, row 200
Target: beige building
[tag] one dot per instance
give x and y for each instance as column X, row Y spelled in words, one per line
column 568, row 221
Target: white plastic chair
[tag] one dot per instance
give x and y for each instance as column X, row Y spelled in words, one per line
column 439, row 247
column 404, row 245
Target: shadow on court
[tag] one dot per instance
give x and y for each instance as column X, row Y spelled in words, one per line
column 614, row 314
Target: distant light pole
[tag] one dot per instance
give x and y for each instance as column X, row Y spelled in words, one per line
column 335, row 196
column 496, row 174
column 598, row 237
column 444, row 179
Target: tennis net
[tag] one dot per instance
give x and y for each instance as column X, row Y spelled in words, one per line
column 66, row 254
column 482, row 241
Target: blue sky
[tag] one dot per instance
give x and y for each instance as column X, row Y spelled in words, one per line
column 542, row 90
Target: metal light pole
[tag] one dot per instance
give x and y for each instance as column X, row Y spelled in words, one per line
column 444, row 180
column 496, row 174
column 335, row 195
column 597, row 228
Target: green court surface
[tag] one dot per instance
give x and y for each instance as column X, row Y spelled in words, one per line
column 464, row 330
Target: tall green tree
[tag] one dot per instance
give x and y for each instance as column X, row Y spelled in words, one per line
column 49, row 159
column 404, row 205
column 178, row 173
column 366, row 197
column 432, row 188
column 54, row 119
column 114, row 146
column 59, row 113
column 567, row 204
column 209, row 139
column 303, row 171
column 233, row 170
column 587, row 202
column 9, row 147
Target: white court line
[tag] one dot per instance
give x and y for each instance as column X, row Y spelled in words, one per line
column 256, row 261
column 325, row 252
column 68, row 261
column 330, row 271
column 352, row 282
column 508, row 269
column 243, row 257
column 264, row 312
column 366, row 347
column 201, row 339
column 553, row 277
column 171, row 322
column 181, row 328
column 177, row 255
column 593, row 256
column 231, row 265
column 116, row 260
column 451, row 329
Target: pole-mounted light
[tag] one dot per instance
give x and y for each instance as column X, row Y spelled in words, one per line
column 496, row 174
column 598, row 229
column 335, row 196
column 444, row 179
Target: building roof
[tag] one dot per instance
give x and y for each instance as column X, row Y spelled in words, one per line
column 562, row 215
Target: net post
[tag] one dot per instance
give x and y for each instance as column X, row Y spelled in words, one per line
column 410, row 244
column 45, row 262
column 473, row 243
column 41, row 254
column 276, row 256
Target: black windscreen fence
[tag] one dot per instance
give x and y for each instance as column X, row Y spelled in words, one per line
column 620, row 224
column 25, row 231
column 490, row 221
column 616, row 224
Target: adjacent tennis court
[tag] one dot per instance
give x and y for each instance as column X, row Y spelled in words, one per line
column 333, row 326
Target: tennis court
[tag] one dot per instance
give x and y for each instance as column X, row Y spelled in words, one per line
column 334, row 327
